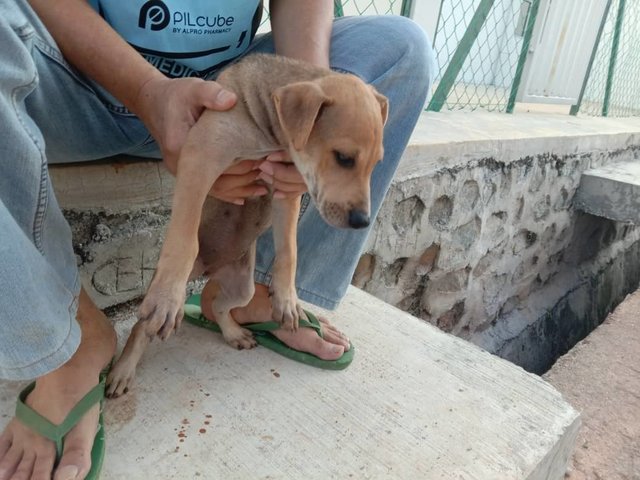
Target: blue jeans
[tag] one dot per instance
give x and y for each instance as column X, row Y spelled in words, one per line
column 50, row 113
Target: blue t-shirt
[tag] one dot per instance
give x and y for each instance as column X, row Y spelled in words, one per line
column 184, row 38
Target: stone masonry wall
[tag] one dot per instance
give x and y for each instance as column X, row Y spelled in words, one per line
column 470, row 246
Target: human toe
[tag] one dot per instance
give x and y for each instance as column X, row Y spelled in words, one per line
column 25, row 467
column 43, row 467
column 75, row 462
column 307, row 340
column 10, row 461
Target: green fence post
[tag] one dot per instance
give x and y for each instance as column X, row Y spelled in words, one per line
column 576, row 108
column 612, row 60
column 435, row 32
column 526, row 40
column 460, row 55
column 407, row 6
column 338, row 11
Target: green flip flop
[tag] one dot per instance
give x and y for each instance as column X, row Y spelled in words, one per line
column 262, row 334
column 57, row 433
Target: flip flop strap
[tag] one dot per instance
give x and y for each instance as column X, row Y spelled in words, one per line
column 47, row 429
column 195, row 313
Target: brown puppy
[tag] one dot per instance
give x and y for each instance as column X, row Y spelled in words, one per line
column 331, row 125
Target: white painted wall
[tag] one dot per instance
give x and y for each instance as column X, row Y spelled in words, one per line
column 560, row 49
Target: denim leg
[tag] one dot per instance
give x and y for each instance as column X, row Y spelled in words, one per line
column 393, row 54
column 47, row 110
column 39, row 280
column 78, row 119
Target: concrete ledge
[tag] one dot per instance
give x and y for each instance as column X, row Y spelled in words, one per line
column 116, row 185
column 416, row 404
column 612, row 191
column 449, row 140
column 441, row 141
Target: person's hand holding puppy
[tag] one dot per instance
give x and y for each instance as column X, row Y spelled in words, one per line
column 247, row 178
column 170, row 107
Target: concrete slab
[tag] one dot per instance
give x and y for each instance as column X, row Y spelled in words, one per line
column 451, row 139
column 118, row 184
column 601, row 377
column 416, row 404
column 612, row 191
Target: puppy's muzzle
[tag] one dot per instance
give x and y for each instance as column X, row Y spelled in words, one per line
column 358, row 218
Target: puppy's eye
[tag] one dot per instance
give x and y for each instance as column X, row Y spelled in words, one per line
column 344, row 161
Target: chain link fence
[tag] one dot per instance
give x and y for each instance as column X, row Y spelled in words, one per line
column 477, row 43
column 368, row 7
column 480, row 47
column 343, row 8
column 612, row 87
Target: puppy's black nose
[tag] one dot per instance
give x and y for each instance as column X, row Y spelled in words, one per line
column 358, row 219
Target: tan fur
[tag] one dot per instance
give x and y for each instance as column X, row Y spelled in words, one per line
column 282, row 104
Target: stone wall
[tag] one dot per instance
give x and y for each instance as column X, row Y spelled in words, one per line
column 492, row 250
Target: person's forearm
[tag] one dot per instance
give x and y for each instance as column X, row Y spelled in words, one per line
column 302, row 29
column 94, row 48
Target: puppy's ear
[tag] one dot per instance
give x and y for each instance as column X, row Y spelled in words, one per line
column 297, row 106
column 384, row 104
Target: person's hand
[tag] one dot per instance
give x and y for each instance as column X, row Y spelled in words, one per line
column 283, row 176
column 170, row 107
column 248, row 177
column 238, row 182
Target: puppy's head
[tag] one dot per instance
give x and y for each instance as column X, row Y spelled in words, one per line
column 334, row 129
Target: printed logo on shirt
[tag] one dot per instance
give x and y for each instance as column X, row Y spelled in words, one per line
column 157, row 15
column 184, row 37
column 156, row 12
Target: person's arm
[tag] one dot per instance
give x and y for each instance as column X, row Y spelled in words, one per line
column 167, row 107
column 302, row 29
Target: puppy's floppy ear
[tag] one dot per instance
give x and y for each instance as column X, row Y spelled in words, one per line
column 384, row 104
column 297, row 106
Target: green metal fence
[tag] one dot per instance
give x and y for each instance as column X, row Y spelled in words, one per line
column 480, row 47
column 611, row 87
column 469, row 36
column 371, row 7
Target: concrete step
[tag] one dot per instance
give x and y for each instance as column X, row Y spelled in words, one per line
column 611, row 191
column 416, row 404
column 601, row 377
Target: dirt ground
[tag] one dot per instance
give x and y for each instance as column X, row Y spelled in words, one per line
column 600, row 377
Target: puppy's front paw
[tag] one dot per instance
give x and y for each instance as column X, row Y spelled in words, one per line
column 285, row 309
column 119, row 379
column 162, row 310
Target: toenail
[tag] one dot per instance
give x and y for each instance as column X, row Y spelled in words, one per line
column 68, row 472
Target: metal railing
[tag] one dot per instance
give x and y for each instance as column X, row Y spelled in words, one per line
column 481, row 63
column 481, row 48
column 611, row 86
column 470, row 76
column 371, row 7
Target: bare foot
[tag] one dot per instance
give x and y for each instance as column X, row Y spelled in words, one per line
column 331, row 347
column 26, row 455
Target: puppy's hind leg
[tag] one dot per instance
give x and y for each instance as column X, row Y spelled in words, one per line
column 230, row 287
